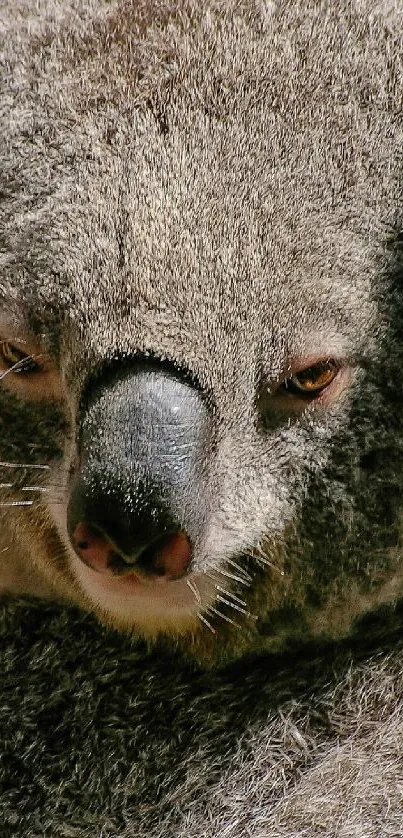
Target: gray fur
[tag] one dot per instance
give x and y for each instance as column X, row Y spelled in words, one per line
column 217, row 185
column 101, row 739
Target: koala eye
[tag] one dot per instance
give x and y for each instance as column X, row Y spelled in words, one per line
column 16, row 360
column 312, row 380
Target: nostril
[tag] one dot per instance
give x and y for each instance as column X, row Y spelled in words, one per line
column 170, row 557
column 167, row 558
column 92, row 547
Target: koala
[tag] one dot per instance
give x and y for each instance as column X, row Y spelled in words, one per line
column 200, row 388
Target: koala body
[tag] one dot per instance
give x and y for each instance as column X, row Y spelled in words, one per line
column 100, row 738
column 200, row 320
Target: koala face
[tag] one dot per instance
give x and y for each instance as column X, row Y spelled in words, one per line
column 199, row 315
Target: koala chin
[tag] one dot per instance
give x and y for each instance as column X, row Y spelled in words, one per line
column 200, row 315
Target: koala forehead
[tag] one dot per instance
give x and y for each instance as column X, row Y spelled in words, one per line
column 202, row 176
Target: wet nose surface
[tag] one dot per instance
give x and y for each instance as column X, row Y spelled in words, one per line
column 137, row 502
column 167, row 558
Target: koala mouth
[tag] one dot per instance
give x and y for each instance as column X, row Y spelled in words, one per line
column 167, row 558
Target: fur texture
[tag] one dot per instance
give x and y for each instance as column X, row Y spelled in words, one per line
column 210, row 193
column 101, row 739
column 216, row 187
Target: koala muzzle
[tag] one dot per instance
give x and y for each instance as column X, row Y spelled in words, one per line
column 138, row 500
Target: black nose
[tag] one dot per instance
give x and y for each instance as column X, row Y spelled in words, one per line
column 139, row 498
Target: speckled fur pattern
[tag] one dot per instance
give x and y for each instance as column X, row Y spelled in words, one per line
column 216, row 185
column 100, row 738
column 193, row 181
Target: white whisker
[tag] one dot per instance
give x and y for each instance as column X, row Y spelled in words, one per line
column 193, row 588
column 223, row 616
column 230, row 594
column 19, row 365
column 262, row 559
column 206, row 622
column 10, row 369
column 230, row 575
column 17, row 503
column 22, row 465
column 234, row 605
column 239, row 569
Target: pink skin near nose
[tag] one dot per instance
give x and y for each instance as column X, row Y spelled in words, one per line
column 171, row 559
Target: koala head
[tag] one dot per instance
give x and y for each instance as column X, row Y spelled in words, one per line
column 200, row 356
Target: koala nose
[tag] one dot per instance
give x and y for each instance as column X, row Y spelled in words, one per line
column 168, row 557
column 138, row 501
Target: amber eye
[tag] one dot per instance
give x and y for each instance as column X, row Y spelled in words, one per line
column 312, row 380
column 16, row 360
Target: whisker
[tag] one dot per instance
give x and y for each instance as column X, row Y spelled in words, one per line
column 239, row 569
column 17, row 503
column 271, row 566
column 230, row 594
column 223, row 616
column 19, row 365
column 35, row 489
column 262, row 559
column 206, row 622
column 22, row 465
column 234, row 605
column 10, row 369
column 52, row 498
column 193, row 588
column 230, row 575
column 48, row 487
